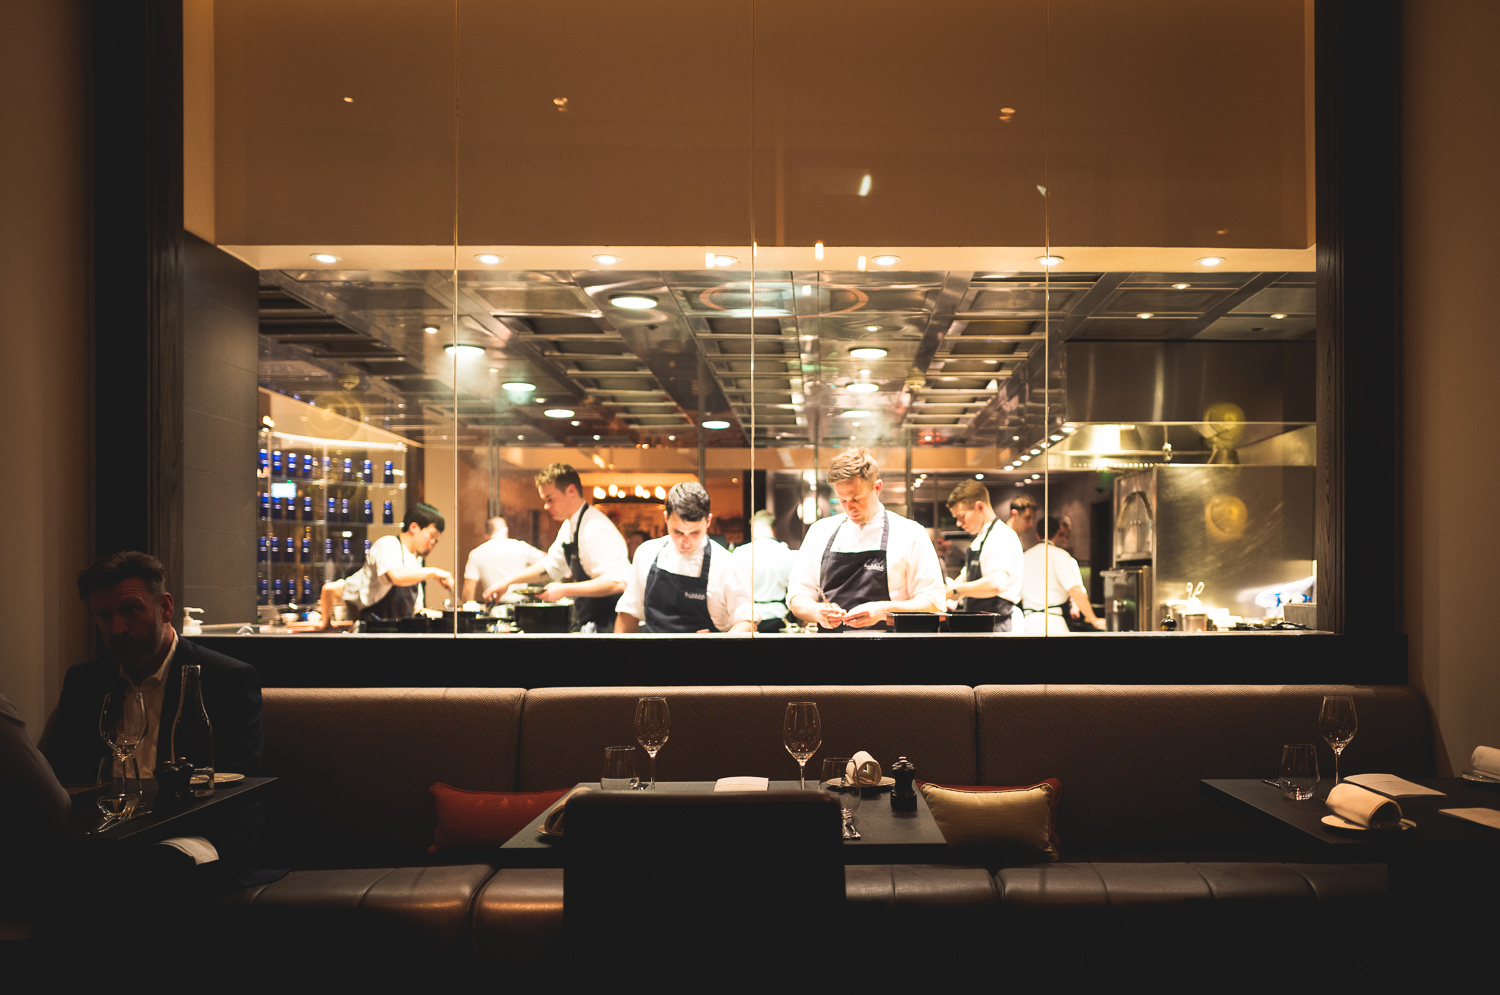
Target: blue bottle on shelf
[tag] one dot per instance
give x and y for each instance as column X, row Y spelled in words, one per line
column 328, row 547
column 332, row 510
column 307, row 512
column 390, row 472
column 306, row 549
column 276, row 509
column 307, row 594
column 348, row 468
column 291, row 550
column 265, row 459
column 262, row 590
column 291, row 464
column 344, row 510
column 388, row 515
column 276, row 590
column 346, row 549
column 307, row 466
column 276, row 463
column 263, row 555
column 367, row 547
column 265, row 506
column 369, row 510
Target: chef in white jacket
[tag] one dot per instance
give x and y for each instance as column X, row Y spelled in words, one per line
column 1053, row 584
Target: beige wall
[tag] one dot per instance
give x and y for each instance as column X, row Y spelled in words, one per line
column 1452, row 367
column 45, row 408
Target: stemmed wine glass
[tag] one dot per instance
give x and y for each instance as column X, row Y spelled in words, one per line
column 122, row 724
column 1338, row 723
column 802, row 733
column 838, row 779
column 652, row 725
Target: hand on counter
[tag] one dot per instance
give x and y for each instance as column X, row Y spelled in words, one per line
column 868, row 614
column 553, row 592
column 830, row 616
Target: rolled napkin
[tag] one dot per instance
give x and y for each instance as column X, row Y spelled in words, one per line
column 1486, row 760
column 553, row 826
column 864, row 769
column 1363, row 808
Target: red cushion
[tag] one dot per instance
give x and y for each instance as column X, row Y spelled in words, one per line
column 1053, row 795
column 484, row 818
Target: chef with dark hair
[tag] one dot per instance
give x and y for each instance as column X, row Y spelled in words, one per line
column 683, row 582
column 991, row 577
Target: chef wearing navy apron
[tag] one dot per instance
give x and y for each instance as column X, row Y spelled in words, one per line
column 682, row 582
column 1053, row 585
column 991, row 578
column 588, row 551
column 857, row 568
column 389, row 585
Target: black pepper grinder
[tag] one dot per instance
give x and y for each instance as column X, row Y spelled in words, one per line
column 904, row 793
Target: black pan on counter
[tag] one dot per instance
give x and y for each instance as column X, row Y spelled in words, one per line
column 916, row 621
column 536, row 617
column 972, row 621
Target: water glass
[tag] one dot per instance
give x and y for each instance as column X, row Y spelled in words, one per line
column 1299, row 771
column 840, row 780
column 118, row 793
column 619, row 769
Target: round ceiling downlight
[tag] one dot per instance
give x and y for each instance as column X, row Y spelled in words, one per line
column 867, row 352
column 886, row 260
column 633, row 302
column 716, row 423
column 558, row 412
column 489, row 258
column 324, row 257
column 863, row 387
column 519, row 386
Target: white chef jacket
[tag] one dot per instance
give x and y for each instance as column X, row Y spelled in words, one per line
column 1049, row 573
column 728, row 592
column 601, row 548
column 495, row 559
column 768, row 580
column 912, row 568
column 1000, row 553
column 369, row 584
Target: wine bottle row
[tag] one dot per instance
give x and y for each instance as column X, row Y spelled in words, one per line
column 337, row 511
column 328, row 469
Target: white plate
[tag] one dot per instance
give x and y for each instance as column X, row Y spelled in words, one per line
column 223, row 778
column 1339, row 822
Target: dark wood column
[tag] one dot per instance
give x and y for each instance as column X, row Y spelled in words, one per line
column 1358, row 79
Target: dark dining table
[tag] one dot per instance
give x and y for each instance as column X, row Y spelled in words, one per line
column 886, row 836
column 165, row 819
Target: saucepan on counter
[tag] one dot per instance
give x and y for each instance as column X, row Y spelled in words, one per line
column 972, row 621
column 916, row 621
column 539, row 616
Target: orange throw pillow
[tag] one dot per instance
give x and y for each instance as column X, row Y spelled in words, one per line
column 484, row 818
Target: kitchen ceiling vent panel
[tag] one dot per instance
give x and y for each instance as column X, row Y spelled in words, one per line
column 535, row 299
column 1191, row 301
column 1281, row 300
column 1019, row 300
column 1128, row 328
column 1262, row 329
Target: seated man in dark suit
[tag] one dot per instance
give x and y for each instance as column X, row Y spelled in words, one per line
column 127, row 597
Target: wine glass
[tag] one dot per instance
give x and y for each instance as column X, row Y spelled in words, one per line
column 652, row 725
column 802, row 733
column 839, row 779
column 1338, row 723
column 117, row 794
column 122, row 722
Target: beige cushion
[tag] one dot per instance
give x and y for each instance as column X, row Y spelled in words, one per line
column 1020, row 819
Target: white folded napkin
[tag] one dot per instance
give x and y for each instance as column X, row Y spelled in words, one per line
column 553, row 826
column 742, row 784
column 200, row 849
column 864, row 769
column 1363, row 808
column 1486, row 760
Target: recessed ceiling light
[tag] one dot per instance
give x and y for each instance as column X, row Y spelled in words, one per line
column 596, row 438
column 716, row 423
column 1024, row 458
column 325, row 257
column 575, row 423
column 978, row 476
column 725, row 260
column 1036, row 476
column 1015, row 438
column 635, row 302
column 1036, row 452
column 1050, row 261
column 1070, row 429
column 867, row 352
column 864, row 186
column 1278, row 317
column 1210, row 260
column 558, row 412
column 1145, row 314
column 464, row 349
column 1181, row 286
column 817, row 250
column 886, row 260
column 606, row 259
column 855, row 413
column 863, row 387
column 430, row 329
column 861, row 264
column 489, row 258
column 520, row 386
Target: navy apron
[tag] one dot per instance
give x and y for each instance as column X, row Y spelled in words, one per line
column 675, row 603
column 1000, row 606
column 399, row 602
column 600, row 611
column 851, row 579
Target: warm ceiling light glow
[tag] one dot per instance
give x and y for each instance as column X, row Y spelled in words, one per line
column 1024, row 458
column 1070, row 429
column 1036, row 476
column 430, row 329
column 861, row 264
column 599, row 493
column 558, row 412
column 575, row 423
column 716, row 423
column 807, row 290
column 660, row 492
column 520, row 386
column 1057, row 438
column 1278, row 317
column 708, row 260
column 635, row 302
column 1181, row 286
column 606, row 259
column 1050, row 261
column 1145, row 314
column 325, row 257
column 1036, row 452
column 817, row 250
column 725, row 260
column 863, row 387
column 886, row 260
column 614, row 491
column 978, row 476
column 867, row 352
column 489, row 258
column 348, row 100
column 1210, row 260
column 864, row 186
column 464, row 349
column 856, row 413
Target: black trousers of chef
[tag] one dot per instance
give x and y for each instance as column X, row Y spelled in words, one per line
column 1000, row 606
column 851, row 579
column 675, row 603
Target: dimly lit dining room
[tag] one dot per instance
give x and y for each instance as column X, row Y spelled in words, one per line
column 740, row 490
